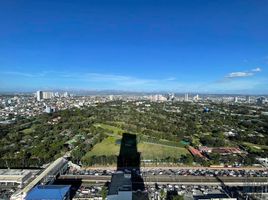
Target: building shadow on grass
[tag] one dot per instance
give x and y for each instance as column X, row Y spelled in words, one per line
column 128, row 179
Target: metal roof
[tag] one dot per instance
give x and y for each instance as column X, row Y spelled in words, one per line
column 48, row 192
column 56, row 164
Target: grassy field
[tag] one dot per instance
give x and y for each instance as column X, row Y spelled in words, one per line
column 255, row 147
column 107, row 147
column 156, row 151
column 28, row 130
column 110, row 128
column 148, row 151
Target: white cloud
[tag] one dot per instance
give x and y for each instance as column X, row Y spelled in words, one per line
column 171, row 79
column 258, row 69
column 30, row 75
column 239, row 74
column 242, row 74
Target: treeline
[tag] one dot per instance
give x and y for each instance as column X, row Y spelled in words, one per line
column 21, row 163
column 100, row 160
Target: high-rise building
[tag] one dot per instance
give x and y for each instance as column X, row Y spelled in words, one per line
column 57, row 94
column 39, row 95
column 248, row 99
column 235, row 99
column 157, row 97
column 196, row 97
column 48, row 95
column 186, row 97
column 261, row 100
column 66, row 94
column 111, row 97
column 49, row 109
column 171, row 96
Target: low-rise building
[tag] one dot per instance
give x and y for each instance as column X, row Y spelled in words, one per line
column 49, row 192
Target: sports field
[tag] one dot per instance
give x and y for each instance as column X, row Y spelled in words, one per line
column 149, row 151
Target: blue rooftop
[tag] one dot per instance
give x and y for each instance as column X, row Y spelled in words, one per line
column 49, row 192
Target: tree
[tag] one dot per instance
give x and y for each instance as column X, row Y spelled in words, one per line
column 179, row 197
column 162, row 194
column 104, row 192
column 187, row 159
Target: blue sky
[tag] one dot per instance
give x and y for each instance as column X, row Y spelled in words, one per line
column 217, row 46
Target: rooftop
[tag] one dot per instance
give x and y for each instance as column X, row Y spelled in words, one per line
column 55, row 192
column 120, row 182
column 13, row 175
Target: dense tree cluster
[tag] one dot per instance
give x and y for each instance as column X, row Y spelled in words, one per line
column 35, row 141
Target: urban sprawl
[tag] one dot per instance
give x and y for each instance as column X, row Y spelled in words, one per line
column 133, row 146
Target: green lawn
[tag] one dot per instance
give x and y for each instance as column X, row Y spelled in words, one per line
column 255, row 147
column 28, row 130
column 107, row 147
column 113, row 129
column 156, row 151
column 148, row 151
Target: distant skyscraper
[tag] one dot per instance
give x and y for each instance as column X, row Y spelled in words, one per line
column 111, row 97
column 157, row 97
column 48, row 95
column 248, row 99
column 235, row 99
column 66, row 94
column 196, row 97
column 171, row 96
column 39, row 95
column 261, row 100
column 186, row 97
column 57, row 94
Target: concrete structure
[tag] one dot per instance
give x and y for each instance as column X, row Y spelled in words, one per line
column 49, row 109
column 49, row 192
column 66, row 94
column 235, row 99
column 121, row 187
column 261, row 100
column 211, row 195
column 14, row 177
column 196, row 98
column 39, row 95
column 157, row 98
column 48, row 95
column 248, row 100
column 263, row 161
column 221, row 150
column 186, row 97
column 48, row 176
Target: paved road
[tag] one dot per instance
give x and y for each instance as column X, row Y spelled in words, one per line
column 183, row 168
column 191, row 180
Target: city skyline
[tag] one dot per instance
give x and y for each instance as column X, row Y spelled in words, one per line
column 195, row 47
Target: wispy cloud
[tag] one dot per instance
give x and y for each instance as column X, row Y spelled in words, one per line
column 258, row 69
column 239, row 74
column 171, row 79
column 243, row 74
column 115, row 80
column 27, row 74
column 14, row 73
column 234, row 81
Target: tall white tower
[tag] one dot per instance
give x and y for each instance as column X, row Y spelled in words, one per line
column 39, row 95
column 186, row 97
column 235, row 99
column 248, row 100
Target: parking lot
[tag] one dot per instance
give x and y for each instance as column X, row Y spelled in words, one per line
column 179, row 172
